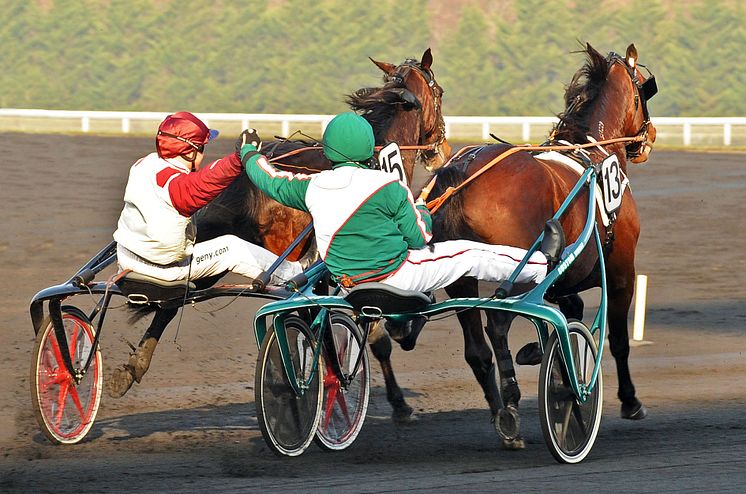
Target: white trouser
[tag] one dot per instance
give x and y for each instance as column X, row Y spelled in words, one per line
column 441, row 264
column 221, row 254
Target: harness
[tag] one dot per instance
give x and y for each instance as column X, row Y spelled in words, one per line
column 425, row 151
column 643, row 92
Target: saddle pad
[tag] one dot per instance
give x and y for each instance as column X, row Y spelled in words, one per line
column 571, row 163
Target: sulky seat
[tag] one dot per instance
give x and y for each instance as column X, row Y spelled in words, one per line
column 386, row 298
column 143, row 289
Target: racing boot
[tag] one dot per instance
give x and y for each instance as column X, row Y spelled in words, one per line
column 553, row 243
column 122, row 378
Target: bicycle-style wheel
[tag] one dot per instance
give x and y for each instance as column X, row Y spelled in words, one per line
column 288, row 420
column 344, row 406
column 65, row 410
column 569, row 427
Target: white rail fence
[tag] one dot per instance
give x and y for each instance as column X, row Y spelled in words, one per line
column 687, row 131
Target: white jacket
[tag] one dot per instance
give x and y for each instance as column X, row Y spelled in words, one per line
column 160, row 197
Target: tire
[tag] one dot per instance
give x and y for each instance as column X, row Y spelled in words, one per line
column 343, row 410
column 569, row 427
column 288, row 422
column 64, row 410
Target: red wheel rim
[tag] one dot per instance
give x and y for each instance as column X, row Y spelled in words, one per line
column 333, row 392
column 68, row 409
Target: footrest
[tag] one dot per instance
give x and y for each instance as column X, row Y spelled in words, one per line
column 387, row 299
column 143, row 289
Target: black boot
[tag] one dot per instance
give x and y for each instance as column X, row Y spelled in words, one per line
column 553, row 243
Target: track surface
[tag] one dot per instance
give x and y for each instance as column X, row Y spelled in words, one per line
column 191, row 425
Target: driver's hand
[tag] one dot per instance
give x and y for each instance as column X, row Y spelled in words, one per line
column 248, row 136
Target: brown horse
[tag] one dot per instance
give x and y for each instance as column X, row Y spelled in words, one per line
column 405, row 110
column 510, row 202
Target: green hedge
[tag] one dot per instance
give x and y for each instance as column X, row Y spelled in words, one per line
column 292, row 56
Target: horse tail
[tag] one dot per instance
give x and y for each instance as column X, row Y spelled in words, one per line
column 449, row 222
column 138, row 311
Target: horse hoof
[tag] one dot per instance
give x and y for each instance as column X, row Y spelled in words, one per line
column 403, row 415
column 529, row 354
column 120, row 382
column 514, row 444
column 635, row 412
column 508, row 423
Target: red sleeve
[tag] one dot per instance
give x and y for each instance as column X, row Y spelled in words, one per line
column 191, row 191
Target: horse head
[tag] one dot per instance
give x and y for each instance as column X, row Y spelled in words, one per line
column 412, row 98
column 607, row 99
column 638, row 118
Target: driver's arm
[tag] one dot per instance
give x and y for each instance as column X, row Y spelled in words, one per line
column 414, row 221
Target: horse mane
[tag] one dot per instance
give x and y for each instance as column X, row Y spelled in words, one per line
column 234, row 211
column 377, row 105
column 580, row 94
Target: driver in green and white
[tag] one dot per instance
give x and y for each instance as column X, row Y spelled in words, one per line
column 368, row 227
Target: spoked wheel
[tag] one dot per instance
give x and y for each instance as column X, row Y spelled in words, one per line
column 65, row 410
column 569, row 427
column 288, row 421
column 344, row 405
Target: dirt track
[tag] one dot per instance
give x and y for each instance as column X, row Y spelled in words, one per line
column 191, row 424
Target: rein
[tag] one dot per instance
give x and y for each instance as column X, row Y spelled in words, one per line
column 276, row 159
column 436, row 203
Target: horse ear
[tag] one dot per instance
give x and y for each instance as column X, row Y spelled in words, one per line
column 631, row 56
column 387, row 68
column 427, row 60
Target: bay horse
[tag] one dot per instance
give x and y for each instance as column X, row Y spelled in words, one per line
column 511, row 201
column 406, row 110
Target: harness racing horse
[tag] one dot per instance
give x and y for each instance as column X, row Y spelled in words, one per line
column 511, row 201
column 405, row 110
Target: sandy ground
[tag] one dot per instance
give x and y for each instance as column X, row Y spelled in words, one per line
column 191, row 425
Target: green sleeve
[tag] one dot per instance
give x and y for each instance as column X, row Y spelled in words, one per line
column 414, row 222
column 284, row 187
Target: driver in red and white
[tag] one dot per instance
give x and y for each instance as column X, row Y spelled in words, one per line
column 155, row 234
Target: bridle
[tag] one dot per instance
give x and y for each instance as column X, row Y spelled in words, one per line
column 427, row 148
column 643, row 92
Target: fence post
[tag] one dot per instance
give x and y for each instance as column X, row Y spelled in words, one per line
column 726, row 134
column 641, row 289
column 526, row 132
column 285, row 128
column 687, row 133
column 85, row 124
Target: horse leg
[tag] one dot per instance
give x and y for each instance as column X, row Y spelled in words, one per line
column 477, row 352
column 406, row 333
column 619, row 303
column 571, row 306
column 137, row 365
column 380, row 345
column 507, row 422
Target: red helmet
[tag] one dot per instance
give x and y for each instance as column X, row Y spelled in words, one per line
column 180, row 133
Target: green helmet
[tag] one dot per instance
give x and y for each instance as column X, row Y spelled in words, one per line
column 348, row 137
